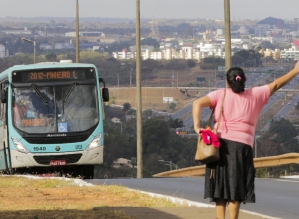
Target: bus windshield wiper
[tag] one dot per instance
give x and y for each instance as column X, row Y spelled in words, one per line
column 39, row 93
column 67, row 96
column 69, row 92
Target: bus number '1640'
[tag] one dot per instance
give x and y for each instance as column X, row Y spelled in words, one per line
column 39, row 148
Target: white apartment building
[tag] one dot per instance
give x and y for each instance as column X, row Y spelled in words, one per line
column 209, row 49
column 169, row 53
column 124, row 55
column 85, row 34
column 292, row 53
column 156, row 55
column 20, row 32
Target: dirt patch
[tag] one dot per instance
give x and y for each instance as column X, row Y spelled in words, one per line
column 42, row 198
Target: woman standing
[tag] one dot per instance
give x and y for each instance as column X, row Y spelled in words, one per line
column 232, row 181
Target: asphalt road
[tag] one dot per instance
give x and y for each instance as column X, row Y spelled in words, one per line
column 274, row 197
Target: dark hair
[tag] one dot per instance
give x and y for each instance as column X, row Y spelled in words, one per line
column 235, row 77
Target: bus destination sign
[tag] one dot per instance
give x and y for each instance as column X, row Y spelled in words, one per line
column 45, row 75
column 53, row 75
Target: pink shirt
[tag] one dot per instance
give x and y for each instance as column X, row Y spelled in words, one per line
column 240, row 112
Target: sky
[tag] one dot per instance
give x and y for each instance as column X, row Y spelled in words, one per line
column 157, row 9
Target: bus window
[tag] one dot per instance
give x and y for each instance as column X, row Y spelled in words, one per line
column 55, row 109
column 79, row 110
column 34, row 112
column 3, row 105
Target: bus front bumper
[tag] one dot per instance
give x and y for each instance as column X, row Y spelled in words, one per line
column 85, row 157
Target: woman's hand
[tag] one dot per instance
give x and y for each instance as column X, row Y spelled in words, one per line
column 197, row 130
column 296, row 67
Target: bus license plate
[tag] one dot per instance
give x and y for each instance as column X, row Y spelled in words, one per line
column 57, row 162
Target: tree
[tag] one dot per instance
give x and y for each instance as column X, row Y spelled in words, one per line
column 267, row 45
column 190, row 63
column 266, row 146
column 126, row 107
column 51, row 57
column 175, row 64
column 150, row 42
column 155, row 135
column 172, row 106
column 216, row 60
column 176, row 123
column 283, row 133
column 118, row 46
column 247, row 58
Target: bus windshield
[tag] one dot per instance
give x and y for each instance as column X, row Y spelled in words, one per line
column 55, row 109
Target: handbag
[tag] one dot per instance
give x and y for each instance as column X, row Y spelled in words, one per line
column 207, row 153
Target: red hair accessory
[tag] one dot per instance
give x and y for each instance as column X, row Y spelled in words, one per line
column 238, row 78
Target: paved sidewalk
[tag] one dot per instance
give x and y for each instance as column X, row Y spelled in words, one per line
column 194, row 210
column 178, row 213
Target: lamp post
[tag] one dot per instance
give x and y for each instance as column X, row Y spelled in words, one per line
column 77, row 33
column 138, row 95
column 228, row 60
column 34, row 48
column 170, row 164
column 255, row 147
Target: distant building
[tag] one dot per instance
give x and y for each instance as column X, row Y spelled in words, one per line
column 85, row 34
column 24, row 31
column 63, row 46
column 2, row 51
column 244, row 30
column 46, row 47
column 220, row 32
column 261, row 30
column 292, row 53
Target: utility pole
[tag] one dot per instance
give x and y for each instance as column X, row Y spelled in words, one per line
column 117, row 81
column 77, row 32
column 138, row 94
column 228, row 54
column 117, row 86
column 130, row 78
column 255, row 147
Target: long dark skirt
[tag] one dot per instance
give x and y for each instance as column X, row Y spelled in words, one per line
column 233, row 175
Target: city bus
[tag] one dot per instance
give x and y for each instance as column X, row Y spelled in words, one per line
column 51, row 118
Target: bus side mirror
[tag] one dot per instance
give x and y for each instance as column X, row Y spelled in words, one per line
column 3, row 96
column 105, row 94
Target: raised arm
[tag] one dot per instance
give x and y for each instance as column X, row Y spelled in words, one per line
column 283, row 80
column 197, row 106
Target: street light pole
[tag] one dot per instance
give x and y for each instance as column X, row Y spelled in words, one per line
column 228, row 61
column 77, row 33
column 170, row 164
column 255, row 147
column 138, row 95
column 34, row 48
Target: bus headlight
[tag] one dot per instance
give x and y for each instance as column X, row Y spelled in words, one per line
column 20, row 147
column 94, row 143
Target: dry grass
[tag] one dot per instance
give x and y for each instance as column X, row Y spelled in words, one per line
column 53, row 198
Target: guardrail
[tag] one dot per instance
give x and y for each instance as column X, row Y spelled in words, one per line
column 259, row 162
